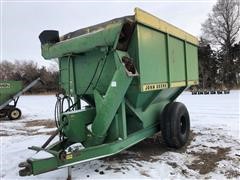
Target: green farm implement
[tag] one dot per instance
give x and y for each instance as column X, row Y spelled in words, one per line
column 10, row 91
column 129, row 71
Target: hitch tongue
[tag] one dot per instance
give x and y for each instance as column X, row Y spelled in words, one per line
column 27, row 169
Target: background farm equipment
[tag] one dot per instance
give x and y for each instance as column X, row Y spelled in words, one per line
column 200, row 91
column 129, row 70
column 10, row 91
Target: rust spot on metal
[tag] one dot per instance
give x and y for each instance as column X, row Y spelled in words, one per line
column 125, row 35
column 91, row 29
column 130, row 68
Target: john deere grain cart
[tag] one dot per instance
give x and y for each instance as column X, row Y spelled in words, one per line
column 129, row 70
column 10, row 91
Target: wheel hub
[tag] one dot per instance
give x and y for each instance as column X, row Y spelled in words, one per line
column 15, row 114
column 183, row 125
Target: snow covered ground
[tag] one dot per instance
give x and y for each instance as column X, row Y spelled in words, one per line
column 213, row 150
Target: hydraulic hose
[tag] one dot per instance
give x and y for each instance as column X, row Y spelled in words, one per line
column 63, row 104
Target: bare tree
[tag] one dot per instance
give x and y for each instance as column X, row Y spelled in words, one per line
column 6, row 70
column 27, row 71
column 222, row 30
column 223, row 24
column 207, row 65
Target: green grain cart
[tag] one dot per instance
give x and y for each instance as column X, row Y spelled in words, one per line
column 129, row 71
column 10, row 91
column 7, row 90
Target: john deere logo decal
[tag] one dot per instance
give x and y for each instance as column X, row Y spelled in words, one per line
column 4, row 85
column 152, row 87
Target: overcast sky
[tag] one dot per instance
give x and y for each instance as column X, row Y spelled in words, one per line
column 22, row 22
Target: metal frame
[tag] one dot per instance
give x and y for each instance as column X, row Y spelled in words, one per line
column 94, row 146
column 87, row 154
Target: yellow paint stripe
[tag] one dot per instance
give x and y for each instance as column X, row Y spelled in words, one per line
column 178, row 84
column 156, row 23
column 158, row 86
column 192, row 82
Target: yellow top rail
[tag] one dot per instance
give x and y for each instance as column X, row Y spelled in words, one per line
column 156, row 23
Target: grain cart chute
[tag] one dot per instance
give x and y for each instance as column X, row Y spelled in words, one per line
column 129, row 70
column 10, row 91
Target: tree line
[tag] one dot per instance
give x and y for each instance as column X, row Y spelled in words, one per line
column 28, row 71
column 218, row 54
column 219, row 48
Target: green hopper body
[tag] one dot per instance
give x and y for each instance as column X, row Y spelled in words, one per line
column 8, row 89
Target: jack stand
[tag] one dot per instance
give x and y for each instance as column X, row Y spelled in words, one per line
column 69, row 173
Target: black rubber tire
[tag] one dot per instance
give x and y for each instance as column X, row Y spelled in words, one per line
column 14, row 114
column 2, row 116
column 175, row 125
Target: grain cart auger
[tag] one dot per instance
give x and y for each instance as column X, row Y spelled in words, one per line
column 129, row 71
column 10, row 91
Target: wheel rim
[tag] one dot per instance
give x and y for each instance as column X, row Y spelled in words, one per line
column 15, row 114
column 183, row 125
